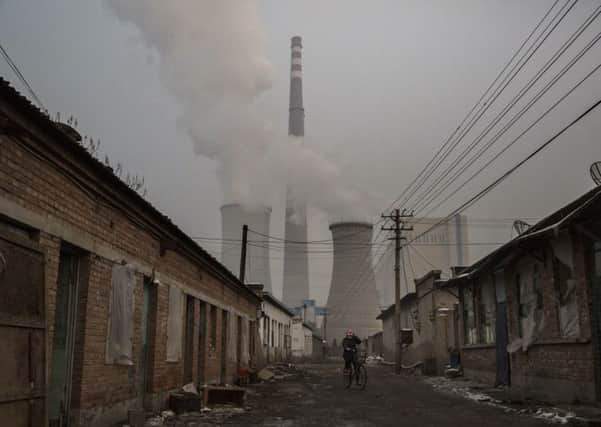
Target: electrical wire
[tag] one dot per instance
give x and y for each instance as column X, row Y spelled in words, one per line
column 511, row 143
column 430, row 192
column 500, row 179
column 21, row 77
column 483, row 106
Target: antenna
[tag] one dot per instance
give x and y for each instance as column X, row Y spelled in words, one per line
column 520, row 226
column 596, row 172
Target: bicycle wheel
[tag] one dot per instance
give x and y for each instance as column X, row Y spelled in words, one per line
column 362, row 377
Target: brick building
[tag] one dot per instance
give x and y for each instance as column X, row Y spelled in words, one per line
column 274, row 327
column 530, row 311
column 105, row 304
column 428, row 315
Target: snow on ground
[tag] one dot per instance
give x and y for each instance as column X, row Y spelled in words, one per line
column 550, row 414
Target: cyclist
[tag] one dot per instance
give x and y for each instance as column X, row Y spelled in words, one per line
column 349, row 346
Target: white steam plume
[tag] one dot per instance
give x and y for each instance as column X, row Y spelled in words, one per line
column 212, row 59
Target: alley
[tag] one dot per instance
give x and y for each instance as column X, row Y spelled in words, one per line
column 317, row 398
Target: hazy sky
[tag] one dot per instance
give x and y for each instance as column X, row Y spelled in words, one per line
column 385, row 82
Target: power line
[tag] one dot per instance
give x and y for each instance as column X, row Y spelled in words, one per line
column 483, row 108
column 21, row 77
column 496, row 182
column 511, row 143
column 427, row 196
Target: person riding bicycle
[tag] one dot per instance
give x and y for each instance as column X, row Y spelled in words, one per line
column 349, row 347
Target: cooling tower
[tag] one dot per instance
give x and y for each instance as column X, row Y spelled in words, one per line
column 296, row 265
column 233, row 217
column 353, row 299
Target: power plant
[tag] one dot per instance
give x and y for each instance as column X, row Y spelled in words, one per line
column 296, row 265
column 353, row 300
column 233, row 217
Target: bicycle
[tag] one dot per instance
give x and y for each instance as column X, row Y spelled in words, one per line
column 357, row 373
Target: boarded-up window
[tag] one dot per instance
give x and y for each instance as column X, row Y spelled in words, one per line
column 121, row 316
column 175, row 324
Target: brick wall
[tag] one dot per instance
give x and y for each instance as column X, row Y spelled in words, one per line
column 73, row 207
column 551, row 362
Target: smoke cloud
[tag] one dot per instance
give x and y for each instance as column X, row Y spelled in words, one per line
column 212, row 59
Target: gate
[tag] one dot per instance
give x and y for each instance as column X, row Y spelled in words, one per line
column 22, row 332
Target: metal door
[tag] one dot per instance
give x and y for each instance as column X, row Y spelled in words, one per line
column 22, row 332
column 63, row 340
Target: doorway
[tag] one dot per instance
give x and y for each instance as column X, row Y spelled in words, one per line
column 189, row 340
column 22, row 331
column 503, row 376
column 595, row 274
column 238, row 345
column 202, row 342
column 147, row 324
column 224, row 339
column 63, row 339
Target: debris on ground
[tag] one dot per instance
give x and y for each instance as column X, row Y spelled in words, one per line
column 207, row 416
column 190, row 388
column 373, row 359
column 265, row 374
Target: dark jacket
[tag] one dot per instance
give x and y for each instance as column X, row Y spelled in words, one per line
column 350, row 343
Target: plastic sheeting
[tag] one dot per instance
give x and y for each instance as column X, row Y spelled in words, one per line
column 569, row 322
column 531, row 317
column 175, row 320
column 121, row 318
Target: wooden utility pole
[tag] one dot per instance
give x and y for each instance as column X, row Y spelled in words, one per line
column 243, row 252
column 398, row 228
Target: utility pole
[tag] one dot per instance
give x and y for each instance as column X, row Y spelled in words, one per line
column 243, row 252
column 397, row 217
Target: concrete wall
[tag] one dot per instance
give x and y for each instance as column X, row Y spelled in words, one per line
column 52, row 192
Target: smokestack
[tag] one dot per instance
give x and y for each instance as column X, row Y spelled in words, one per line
column 296, row 265
column 233, row 217
column 353, row 299
column 296, row 118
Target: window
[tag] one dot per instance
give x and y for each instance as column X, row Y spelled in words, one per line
column 486, row 304
column 121, row 320
column 213, row 337
column 469, row 316
column 175, row 320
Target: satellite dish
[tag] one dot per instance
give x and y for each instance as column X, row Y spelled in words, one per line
column 596, row 172
column 520, row 226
